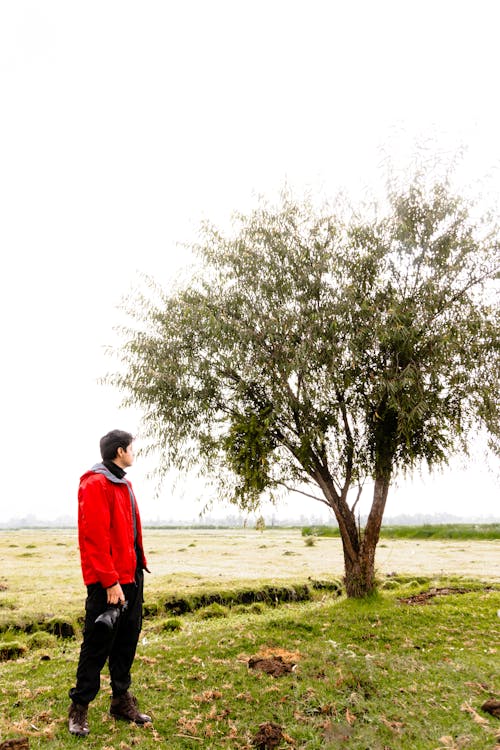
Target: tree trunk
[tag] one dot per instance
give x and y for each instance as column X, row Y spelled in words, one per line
column 359, row 545
column 359, row 555
column 359, row 576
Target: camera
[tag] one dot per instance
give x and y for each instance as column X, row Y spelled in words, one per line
column 109, row 618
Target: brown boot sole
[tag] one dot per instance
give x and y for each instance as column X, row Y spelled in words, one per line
column 138, row 721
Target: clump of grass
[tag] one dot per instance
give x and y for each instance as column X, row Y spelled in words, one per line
column 11, row 650
column 333, row 585
column 60, row 627
column 41, row 639
column 310, row 541
column 172, row 624
column 390, row 584
column 152, row 608
column 213, row 610
column 413, row 584
column 7, row 604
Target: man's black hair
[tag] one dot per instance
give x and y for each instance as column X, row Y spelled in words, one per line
column 112, row 441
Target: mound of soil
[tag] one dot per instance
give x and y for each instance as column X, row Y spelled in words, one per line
column 60, row 628
column 274, row 661
column 492, row 707
column 424, row 596
column 22, row 743
column 269, row 736
column 273, row 665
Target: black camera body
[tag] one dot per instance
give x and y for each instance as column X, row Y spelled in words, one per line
column 109, row 618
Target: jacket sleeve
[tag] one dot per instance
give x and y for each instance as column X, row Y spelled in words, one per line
column 143, row 563
column 95, row 521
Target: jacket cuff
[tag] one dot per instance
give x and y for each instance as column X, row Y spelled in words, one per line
column 110, row 580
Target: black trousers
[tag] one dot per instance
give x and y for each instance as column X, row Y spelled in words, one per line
column 117, row 646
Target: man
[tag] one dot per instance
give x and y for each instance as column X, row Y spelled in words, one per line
column 112, row 560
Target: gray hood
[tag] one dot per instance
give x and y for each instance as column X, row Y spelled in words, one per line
column 101, row 469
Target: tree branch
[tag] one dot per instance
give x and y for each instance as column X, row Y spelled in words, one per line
column 360, row 490
column 306, row 494
column 350, row 443
column 455, row 297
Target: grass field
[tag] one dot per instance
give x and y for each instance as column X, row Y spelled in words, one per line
column 405, row 669
column 460, row 531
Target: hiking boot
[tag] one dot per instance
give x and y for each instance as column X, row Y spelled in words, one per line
column 125, row 707
column 78, row 723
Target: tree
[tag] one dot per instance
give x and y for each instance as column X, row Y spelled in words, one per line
column 260, row 524
column 318, row 349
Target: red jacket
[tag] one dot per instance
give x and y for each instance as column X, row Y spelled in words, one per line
column 106, row 528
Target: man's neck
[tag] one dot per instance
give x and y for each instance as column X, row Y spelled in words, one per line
column 114, row 468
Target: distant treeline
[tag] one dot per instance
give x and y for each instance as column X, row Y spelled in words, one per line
column 426, row 531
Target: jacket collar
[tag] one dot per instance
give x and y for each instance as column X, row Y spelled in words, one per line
column 102, row 469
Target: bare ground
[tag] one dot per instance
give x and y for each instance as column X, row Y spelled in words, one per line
column 282, row 553
column 40, row 569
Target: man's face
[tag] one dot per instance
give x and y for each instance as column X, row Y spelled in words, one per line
column 125, row 457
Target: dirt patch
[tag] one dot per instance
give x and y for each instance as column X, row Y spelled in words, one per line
column 274, row 665
column 269, row 736
column 17, row 744
column 60, row 628
column 276, row 662
column 492, row 707
column 424, row 596
column 11, row 650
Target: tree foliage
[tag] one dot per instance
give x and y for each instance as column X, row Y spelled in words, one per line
column 318, row 348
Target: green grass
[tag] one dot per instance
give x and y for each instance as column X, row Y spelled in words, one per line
column 485, row 531
column 221, row 560
column 378, row 674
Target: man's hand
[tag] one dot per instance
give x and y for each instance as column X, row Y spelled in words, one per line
column 115, row 594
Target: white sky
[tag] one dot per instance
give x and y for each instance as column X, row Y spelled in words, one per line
column 124, row 124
